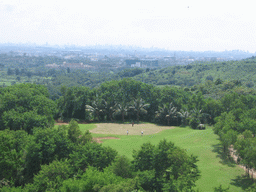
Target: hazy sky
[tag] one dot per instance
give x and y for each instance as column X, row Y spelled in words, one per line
column 197, row 25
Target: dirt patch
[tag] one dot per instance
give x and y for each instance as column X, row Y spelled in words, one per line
column 232, row 153
column 99, row 139
column 121, row 129
column 61, row 123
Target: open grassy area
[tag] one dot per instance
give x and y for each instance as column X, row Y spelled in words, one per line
column 121, row 129
column 202, row 143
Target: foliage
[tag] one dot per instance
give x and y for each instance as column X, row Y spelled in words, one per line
column 167, row 112
column 48, row 157
column 72, row 102
column 171, row 166
column 122, row 167
column 45, row 146
column 91, row 180
column 139, row 107
column 51, row 177
column 12, row 158
column 26, row 106
column 74, row 131
column 221, row 189
column 92, row 154
column 236, row 127
column 194, row 122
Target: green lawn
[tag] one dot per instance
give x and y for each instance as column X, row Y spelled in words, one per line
column 202, row 143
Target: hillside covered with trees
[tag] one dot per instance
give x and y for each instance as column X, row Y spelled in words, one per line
column 36, row 156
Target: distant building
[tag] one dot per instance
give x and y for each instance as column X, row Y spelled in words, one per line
column 168, row 58
column 52, row 66
column 69, row 65
column 73, row 65
column 210, row 58
column 137, row 64
column 142, row 63
column 130, row 62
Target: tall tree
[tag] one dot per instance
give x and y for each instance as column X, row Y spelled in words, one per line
column 171, row 167
column 184, row 115
column 168, row 112
column 139, row 106
column 108, row 108
column 95, row 108
column 121, row 108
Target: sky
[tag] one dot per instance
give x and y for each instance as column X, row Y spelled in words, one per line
column 189, row 25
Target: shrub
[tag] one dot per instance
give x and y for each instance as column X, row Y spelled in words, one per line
column 194, row 122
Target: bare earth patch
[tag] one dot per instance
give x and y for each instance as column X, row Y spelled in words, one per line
column 121, row 129
column 61, row 123
column 232, row 153
column 99, row 139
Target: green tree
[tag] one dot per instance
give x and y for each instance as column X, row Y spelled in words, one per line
column 45, row 146
column 168, row 112
column 121, row 108
column 51, row 177
column 72, row 102
column 74, row 131
column 11, row 158
column 143, row 158
column 194, row 122
column 170, row 167
column 9, row 71
column 122, row 167
column 184, row 115
column 221, row 189
column 91, row 180
column 95, row 108
column 92, row 154
column 108, row 108
column 138, row 105
column 17, row 71
column 26, row 106
column 85, row 138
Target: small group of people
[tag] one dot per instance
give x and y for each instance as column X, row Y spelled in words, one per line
column 128, row 132
column 132, row 126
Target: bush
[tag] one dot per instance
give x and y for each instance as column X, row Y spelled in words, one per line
column 218, row 81
column 122, row 167
column 249, row 84
column 91, row 180
column 194, row 122
column 51, row 176
column 201, row 126
column 209, row 78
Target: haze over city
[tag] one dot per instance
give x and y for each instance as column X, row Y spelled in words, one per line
column 173, row 25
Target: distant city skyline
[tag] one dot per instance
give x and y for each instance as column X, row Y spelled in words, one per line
column 189, row 25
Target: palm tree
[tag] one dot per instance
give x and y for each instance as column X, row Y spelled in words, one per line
column 184, row 114
column 108, row 108
column 96, row 108
column 138, row 105
column 196, row 113
column 121, row 108
column 167, row 112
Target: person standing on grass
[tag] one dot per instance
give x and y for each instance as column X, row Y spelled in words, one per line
column 127, row 132
column 141, row 133
column 132, row 124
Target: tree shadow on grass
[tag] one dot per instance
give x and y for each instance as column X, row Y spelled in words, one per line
column 243, row 182
column 224, row 158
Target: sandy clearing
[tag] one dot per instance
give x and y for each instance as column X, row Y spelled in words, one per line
column 121, row 129
column 61, row 123
column 232, row 153
column 99, row 139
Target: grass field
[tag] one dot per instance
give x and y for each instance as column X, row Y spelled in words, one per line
column 202, row 143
